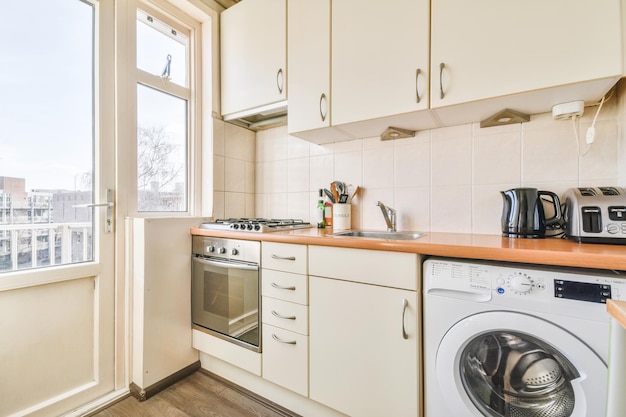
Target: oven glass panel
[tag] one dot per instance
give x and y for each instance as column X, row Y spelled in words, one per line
column 226, row 300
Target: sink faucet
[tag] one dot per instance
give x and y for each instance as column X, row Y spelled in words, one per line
column 390, row 216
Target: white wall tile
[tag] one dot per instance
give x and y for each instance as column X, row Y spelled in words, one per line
column 451, row 156
column 239, row 143
column 442, row 180
column 412, row 161
column 298, row 175
column 235, row 175
column 219, row 171
column 218, row 137
column 497, row 150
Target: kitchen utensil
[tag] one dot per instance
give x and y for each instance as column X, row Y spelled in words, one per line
column 354, row 193
column 330, row 195
column 333, row 188
column 523, row 213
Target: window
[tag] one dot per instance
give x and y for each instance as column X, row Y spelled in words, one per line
column 164, row 106
column 48, row 120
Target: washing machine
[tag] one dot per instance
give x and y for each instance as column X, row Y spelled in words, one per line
column 515, row 340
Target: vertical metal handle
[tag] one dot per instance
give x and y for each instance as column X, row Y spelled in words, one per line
column 405, row 304
column 322, row 113
column 280, row 80
column 441, row 67
column 417, row 93
column 279, row 340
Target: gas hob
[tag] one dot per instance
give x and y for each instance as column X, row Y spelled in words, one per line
column 258, row 225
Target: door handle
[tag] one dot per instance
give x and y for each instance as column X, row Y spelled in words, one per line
column 108, row 227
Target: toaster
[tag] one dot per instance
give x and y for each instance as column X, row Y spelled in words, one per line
column 595, row 215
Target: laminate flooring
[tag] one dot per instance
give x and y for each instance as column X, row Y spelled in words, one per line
column 198, row 395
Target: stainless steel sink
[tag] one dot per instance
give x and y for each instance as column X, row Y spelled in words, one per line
column 380, row 234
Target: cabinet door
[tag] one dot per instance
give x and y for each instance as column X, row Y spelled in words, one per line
column 492, row 48
column 253, row 54
column 377, row 50
column 360, row 363
column 309, row 64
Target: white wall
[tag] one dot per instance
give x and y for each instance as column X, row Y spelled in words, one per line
column 443, row 180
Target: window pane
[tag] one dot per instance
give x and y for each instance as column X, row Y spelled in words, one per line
column 47, row 137
column 161, row 151
column 161, row 50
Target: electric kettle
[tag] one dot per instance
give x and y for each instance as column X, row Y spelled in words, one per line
column 523, row 213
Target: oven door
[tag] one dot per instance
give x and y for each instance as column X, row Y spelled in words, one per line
column 225, row 300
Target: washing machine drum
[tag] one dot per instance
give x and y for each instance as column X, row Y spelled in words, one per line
column 509, row 374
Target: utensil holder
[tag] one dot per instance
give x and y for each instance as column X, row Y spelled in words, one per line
column 342, row 216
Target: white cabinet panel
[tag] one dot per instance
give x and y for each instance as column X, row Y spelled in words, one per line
column 380, row 58
column 286, row 315
column 285, row 358
column 284, row 257
column 360, row 363
column 492, row 48
column 253, row 54
column 285, row 286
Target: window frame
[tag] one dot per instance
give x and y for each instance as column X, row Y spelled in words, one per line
column 130, row 76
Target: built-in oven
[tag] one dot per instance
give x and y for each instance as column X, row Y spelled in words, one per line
column 225, row 297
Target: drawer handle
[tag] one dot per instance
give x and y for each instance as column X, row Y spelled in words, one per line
column 280, row 316
column 405, row 304
column 279, row 340
column 280, row 287
column 284, row 258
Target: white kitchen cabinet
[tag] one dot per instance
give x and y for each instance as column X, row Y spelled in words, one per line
column 379, row 58
column 285, row 315
column 493, row 49
column 253, row 55
column 361, row 364
column 310, row 115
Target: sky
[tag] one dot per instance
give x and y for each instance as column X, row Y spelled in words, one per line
column 46, row 127
column 45, row 91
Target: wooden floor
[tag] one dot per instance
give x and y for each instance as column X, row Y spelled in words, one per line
column 198, row 395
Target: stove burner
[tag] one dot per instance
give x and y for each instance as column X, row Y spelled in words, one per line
column 255, row 224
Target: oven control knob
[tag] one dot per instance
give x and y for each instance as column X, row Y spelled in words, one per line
column 234, row 251
column 521, row 284
column 250, row 226
column 210, row 248
column 221, row 251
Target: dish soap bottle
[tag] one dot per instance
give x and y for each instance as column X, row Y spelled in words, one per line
column 320, row 211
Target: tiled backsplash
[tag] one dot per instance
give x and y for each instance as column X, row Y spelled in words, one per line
column 442, row 180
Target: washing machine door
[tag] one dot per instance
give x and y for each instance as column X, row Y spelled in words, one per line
column 509, row 364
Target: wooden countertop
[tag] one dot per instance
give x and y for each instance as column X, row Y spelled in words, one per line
column 548, row 251
column 617, row 310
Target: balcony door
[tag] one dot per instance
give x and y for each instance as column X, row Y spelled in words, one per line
column 57, row 177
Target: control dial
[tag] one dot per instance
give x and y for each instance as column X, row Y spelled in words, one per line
column 521, row 284
column 221, row 251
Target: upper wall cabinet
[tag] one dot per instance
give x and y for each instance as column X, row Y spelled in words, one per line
column 379, row 65
column 253, row 55
column 489, row 49
column 390, row 66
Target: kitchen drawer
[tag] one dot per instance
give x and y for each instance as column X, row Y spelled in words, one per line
column 388, row 269
column 285, row 359
column 285, row 286
column 284, row 257
column 286, row 315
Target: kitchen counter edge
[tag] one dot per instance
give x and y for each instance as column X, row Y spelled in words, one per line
column 549, row 251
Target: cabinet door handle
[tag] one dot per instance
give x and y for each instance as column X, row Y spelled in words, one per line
column 405, row 304
column 280, row 287
column 417, row 93
column 279, row 340
column 322, row 112
column 280, row 80
column 280, row 316
column 441, row 94
column 284, row 258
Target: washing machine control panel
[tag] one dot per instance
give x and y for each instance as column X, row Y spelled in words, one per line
column 582, row 291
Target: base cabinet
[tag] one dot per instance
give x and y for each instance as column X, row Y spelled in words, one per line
column 360, row 362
